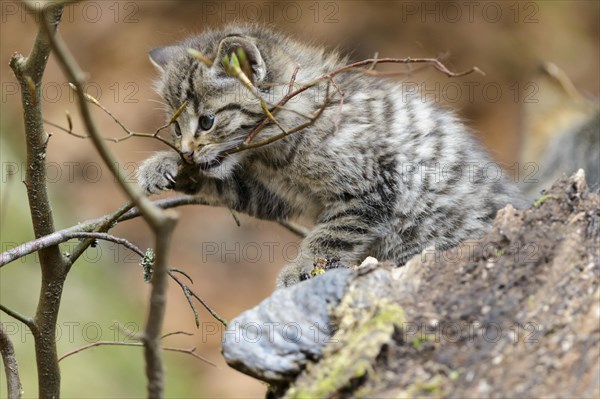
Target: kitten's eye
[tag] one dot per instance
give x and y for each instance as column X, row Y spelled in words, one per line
column 177, row 130
column 207, row 121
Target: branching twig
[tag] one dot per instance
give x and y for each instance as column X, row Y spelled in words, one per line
column 28, row 321
column 11, row 367
column 177, row 333
column 191, row 351
column 244, row 146
column 188, row 297
column 122, row 214
column 58, row 238
column 188, row 292
column 436, row 63
column 96, row 225
column 128, row 132
column 102, row 226
column 173, row 270
column 162, row 223
column 53, row 265
column 371, row 62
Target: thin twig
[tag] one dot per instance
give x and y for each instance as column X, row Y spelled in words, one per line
column 115, row 139
column 58, row 238
column 244, row 146
column 188, row 297
column 371, row 62
column 177, row 333
column 173, row 270
column 191, row 351
column 293, row 79
column 102, row 226
column 124, row 213
column 235, row 218
column 295, row 228
column 187, row 291
column 436, row 63
column 28, row 321
column 108, row 237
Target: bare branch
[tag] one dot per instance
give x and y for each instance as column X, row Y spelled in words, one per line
column 177, row 333
column 244, row 146
column 188, row 292
column 235, row 218
column 293, row 79
column 128, row 132
column 129, row 135
column 188, row 297
column 54, row 266
column 191, row 351
column 370, row 62
column 153, row 215
column 436, row 63
column 173, row 270
column 103, row 225
column 295, row 228
column 167, row 203
column 11, row 367
column 60, row 237
column 92, row 229
column 28, row 321
column 161, row 222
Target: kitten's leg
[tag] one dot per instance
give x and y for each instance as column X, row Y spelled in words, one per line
column 242, row 193
column 348, row 236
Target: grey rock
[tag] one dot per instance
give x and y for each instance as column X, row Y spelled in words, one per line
column 274, row 340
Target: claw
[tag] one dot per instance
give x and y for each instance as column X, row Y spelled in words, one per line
column 169, row 177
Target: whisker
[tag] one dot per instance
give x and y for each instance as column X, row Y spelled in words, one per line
column 158, row 102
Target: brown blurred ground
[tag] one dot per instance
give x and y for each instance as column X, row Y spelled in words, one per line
column 110, row 39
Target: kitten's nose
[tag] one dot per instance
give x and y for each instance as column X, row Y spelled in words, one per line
column 188, row 156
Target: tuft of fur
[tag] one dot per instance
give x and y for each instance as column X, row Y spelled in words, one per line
column 385, row 175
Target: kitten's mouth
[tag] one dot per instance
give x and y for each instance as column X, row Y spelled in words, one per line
column 212, row 164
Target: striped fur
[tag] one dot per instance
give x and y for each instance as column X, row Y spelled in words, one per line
column 394, row 176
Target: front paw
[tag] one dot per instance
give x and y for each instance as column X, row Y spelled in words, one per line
column 293, row 274
column 159, row 172
column 304, row 270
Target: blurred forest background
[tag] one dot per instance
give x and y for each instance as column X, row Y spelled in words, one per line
column 233, row 267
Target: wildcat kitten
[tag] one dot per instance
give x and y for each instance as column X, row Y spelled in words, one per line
column 384, row 175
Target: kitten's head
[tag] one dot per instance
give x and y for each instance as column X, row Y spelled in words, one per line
column 220, row 111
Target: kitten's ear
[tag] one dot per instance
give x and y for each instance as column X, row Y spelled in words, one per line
column 161, row 56
column 231, row 45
